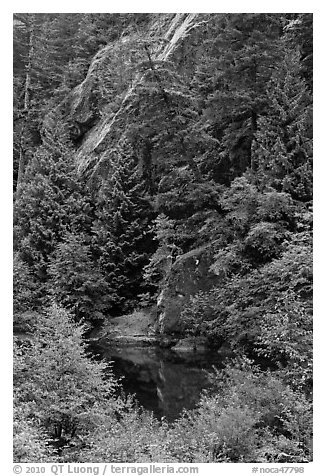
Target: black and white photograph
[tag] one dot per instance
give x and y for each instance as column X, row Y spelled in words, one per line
column 162, row 241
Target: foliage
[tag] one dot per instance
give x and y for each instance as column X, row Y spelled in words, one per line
column 253, row 228
column 267, row 311
column 283, row 144
column 26, row 298
column 161, row 261
column 238, row 56
column 247, row 416
column 30, row 442
column 64, row 389
column 300, row 34
column 136, row 437
column 76, row 283
column 121, row 231
column 193, row 137
column 52, row 201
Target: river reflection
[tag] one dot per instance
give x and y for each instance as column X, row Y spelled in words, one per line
column 163, row 381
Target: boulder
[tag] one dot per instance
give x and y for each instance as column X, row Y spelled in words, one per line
column 189, row 274
column 191, row 344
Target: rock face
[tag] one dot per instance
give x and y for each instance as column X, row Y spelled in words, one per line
column 135, row 329
column 174, row 28
column 189, row 274
column 191, row 344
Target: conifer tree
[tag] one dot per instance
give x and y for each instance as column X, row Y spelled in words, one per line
column 283, row 142
column 161, row 261
column 25, row 114
column 122, row 238
column 231, row 80
column 300, row 35
column 76, row 283
column 52, row 201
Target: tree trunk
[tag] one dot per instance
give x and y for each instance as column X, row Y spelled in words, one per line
column 253, row 162
column 22, row 156
column 148, row 166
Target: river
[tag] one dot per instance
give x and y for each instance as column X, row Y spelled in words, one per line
column 163, row 381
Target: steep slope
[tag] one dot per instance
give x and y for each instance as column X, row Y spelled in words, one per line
column 172, row 30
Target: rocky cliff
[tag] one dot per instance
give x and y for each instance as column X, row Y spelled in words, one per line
column 173, row 28
column 93, row 124
column 189, row 274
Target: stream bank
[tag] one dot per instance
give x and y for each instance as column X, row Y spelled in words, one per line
column 141, row 329
column 166, row 374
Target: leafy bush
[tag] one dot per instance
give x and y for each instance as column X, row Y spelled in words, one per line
column 252, row 311
column 248, row 415
column 263, row 241
column 30, row 441
column 135, row 437
column 64, row 389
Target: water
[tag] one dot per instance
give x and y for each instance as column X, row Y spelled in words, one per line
column 162, row 380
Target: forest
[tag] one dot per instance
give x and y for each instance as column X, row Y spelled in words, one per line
column 143, row 141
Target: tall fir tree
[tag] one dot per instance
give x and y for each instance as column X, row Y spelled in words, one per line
column 241, row 52
column 51, row 202
column 76, row 282
column 283, row 142
column 122, row 236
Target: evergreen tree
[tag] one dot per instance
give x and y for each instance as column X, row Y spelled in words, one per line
column 231, row 78
column 52, row 201
column 75, row 282
column 299, row 31
column 26, row 135
column 161, row 261
column 122, row 237
column 283, row 142
column 26, row 295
